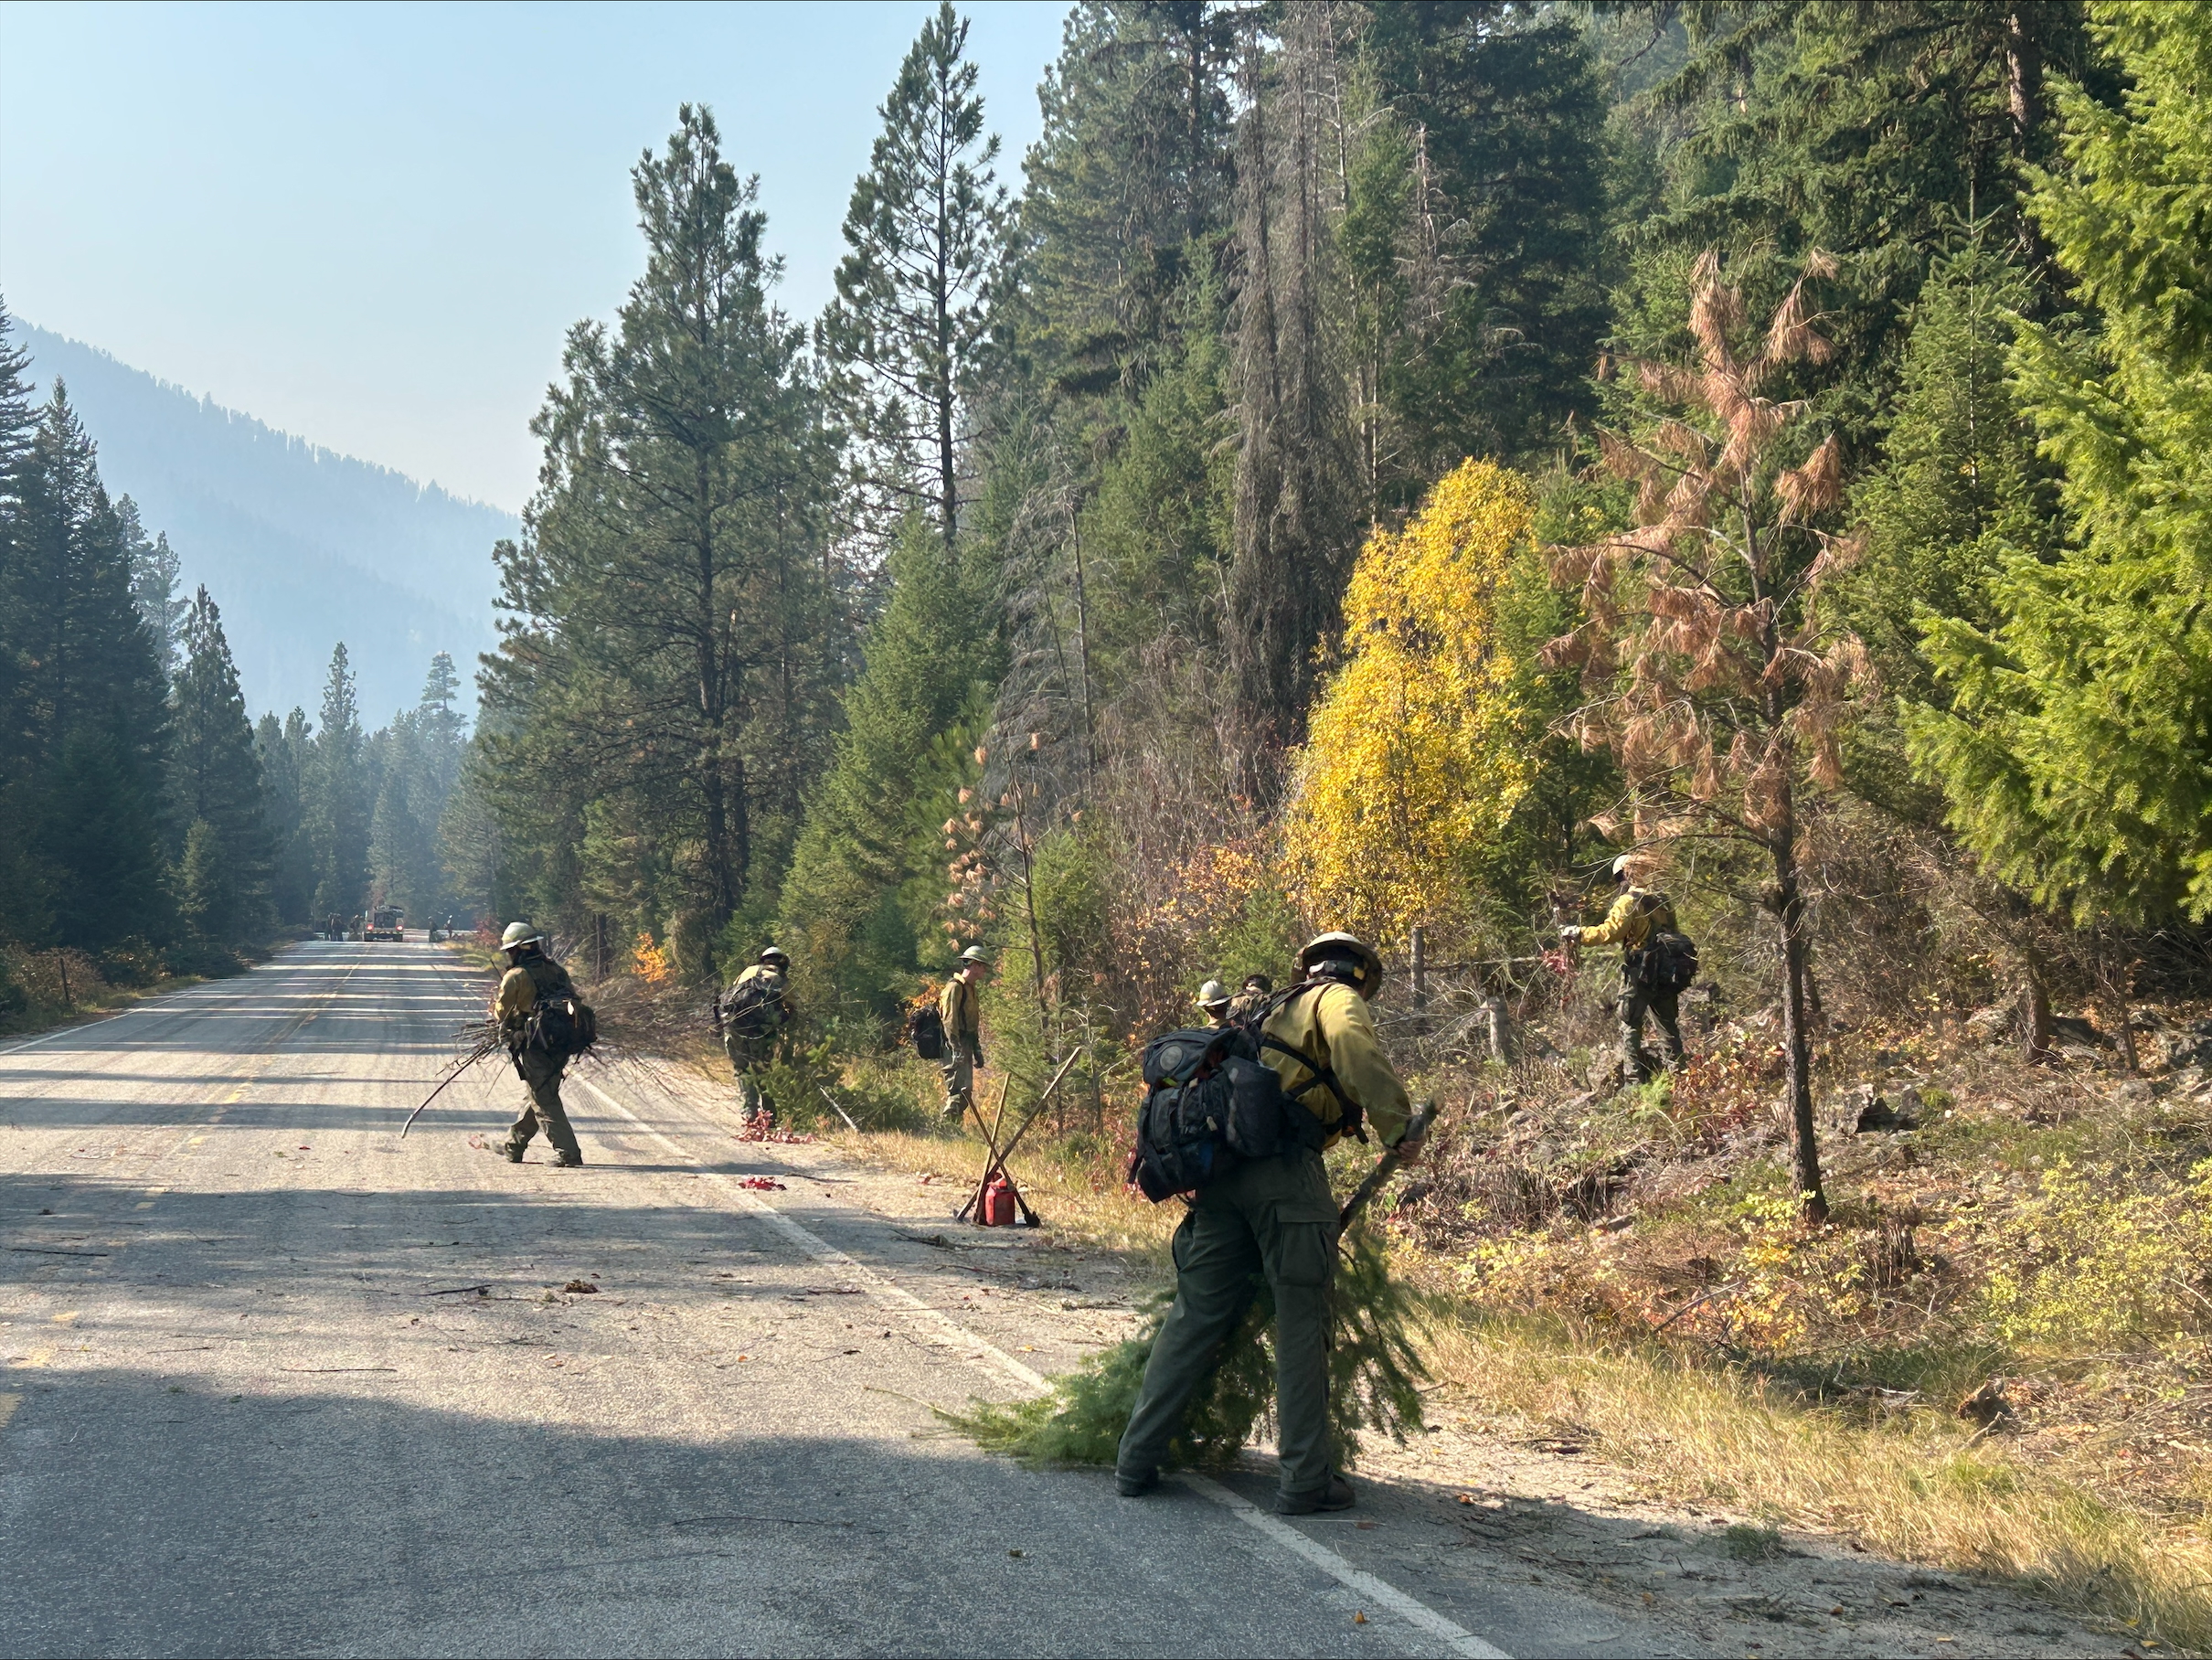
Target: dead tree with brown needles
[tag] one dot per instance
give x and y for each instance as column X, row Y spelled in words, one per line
column 1709, row 669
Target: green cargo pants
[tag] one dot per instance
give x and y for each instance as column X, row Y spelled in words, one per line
column 1274, row 1217
column 749, row 1057
column 958, row 1068
column 542, row 1072
column 1663, row 1004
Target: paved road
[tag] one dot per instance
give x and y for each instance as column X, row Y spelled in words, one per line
column 253, row 1403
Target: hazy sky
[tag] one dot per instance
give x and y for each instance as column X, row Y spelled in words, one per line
column 370, row 225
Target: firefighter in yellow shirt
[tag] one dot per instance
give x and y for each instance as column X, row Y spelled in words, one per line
column 1276, row 1217
column 531, row 978
column 959, row 1005
column 1637, row 914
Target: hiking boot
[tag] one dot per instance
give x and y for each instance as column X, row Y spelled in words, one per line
column 1136, row 1484
column 567, row 1161
column 508, row 1150
column 1337, row 1495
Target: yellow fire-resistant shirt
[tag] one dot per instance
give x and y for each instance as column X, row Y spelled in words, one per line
column 962, row 1012
column 1333, row 1025
column 1635, row 916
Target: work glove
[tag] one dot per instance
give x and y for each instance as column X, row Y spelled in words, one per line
column 1570, row 935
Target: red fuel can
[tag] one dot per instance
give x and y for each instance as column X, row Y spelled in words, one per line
column 997, row 1208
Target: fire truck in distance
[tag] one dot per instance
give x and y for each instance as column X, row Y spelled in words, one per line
column 384, row 924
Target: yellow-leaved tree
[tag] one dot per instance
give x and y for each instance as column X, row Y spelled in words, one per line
column 1412, row 760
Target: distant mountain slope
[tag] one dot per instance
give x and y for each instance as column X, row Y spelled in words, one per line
column 301, row 547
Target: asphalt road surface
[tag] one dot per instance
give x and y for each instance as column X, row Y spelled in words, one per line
column 279, row 1382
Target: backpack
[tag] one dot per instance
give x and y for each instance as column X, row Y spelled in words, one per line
column 561, row 1023
column 926, row 1032
column 753, row 1009
column 1668, row 960
column 1212, row 1104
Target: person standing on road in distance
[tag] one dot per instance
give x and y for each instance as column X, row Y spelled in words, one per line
column 959, row 1005
column 1636, row 915
column 1213, row 1003
column 1276, row 1217
column 755, row 1014
column 532, row 977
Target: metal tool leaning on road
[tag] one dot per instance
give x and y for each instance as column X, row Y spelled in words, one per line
column 1237, row 1116
column 994, row 1168
column 543, row 1023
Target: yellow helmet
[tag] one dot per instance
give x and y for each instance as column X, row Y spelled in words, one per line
column 1367, row 967
column 1213, row 996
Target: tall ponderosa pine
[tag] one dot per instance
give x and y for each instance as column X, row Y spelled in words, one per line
column 674, row 635
column 216, row 789
column 925, row 232
column 2074, row 756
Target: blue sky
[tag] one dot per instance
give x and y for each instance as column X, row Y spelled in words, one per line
column 370, row 225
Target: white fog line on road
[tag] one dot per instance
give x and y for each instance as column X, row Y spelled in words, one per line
column 1383, row 1595
column 1416, row 1613
column 822, row 1251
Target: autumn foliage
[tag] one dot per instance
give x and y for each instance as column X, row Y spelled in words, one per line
column 1410, row 764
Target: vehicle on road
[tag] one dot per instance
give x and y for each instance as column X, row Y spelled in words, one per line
column 384, row 924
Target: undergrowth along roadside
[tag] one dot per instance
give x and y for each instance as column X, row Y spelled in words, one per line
column 1694, row 1425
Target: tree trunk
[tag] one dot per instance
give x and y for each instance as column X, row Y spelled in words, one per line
column 1797, row 1046
column 2034, row 1015
column 2023, row 80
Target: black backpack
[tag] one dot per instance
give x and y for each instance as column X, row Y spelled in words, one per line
column 926, row 1032
column 1212, row 1104
column 1668, row 960
column 754, row 1009
column 559, row 1023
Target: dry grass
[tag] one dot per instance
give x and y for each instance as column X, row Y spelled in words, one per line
column 1918, row 1488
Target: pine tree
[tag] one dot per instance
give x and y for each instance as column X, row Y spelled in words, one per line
column 866, row 874
column 1127, row 189
column 2073, row 753
column 1871, row 131
column 674, row 637
column 282, row 749
column 1297, row 494
column 88, row 706
column 154, row 584
column 1475, row 200
column 1710, row 668
column 215, row 786
column 335, row 798
column 926, row 231
column 26, row 881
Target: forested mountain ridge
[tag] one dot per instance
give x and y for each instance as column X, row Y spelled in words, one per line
column 303, row 545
